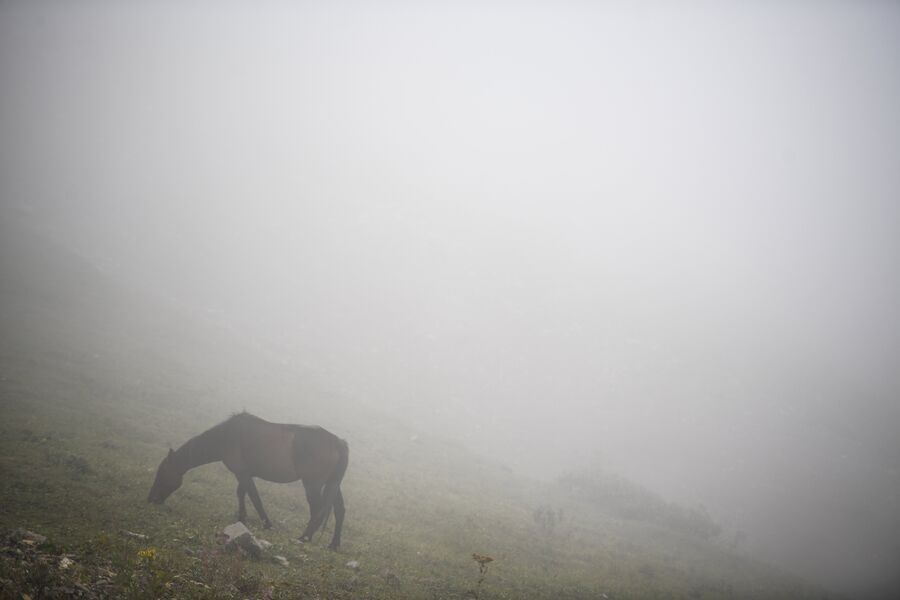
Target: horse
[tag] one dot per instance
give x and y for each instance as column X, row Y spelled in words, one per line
column 252, row 447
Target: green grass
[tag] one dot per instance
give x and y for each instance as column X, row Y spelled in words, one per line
column 96, row 383
column 78, row 457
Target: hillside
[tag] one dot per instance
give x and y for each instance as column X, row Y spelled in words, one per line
column 98, row 379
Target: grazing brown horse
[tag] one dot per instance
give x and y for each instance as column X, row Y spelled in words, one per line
column 251, row 447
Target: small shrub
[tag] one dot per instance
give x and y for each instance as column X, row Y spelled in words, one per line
column 76, row 465
column 483, row 561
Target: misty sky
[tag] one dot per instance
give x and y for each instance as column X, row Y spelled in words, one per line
column 667, row 234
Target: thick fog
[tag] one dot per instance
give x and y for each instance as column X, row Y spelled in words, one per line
column 662, row 239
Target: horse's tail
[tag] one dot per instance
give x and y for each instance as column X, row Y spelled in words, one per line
column 344, row 459
column 333, row 485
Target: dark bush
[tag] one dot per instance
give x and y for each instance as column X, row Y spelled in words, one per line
column 621, row 498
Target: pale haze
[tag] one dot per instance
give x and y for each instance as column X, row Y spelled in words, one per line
column 662, row 239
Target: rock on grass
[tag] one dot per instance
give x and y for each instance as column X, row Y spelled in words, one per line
column 239, row 536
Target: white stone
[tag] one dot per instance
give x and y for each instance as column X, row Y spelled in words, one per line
column 236, row 530
column 238, row 534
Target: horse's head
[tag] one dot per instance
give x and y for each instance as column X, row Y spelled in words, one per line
column 168, row 479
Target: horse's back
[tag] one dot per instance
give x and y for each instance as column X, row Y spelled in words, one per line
column 266, row 449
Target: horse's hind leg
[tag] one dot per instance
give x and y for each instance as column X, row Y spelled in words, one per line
column 314, row 498
column 257, row 503
column 325, row 503
column 339, row 512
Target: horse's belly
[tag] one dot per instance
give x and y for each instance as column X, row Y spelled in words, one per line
column 278, row 476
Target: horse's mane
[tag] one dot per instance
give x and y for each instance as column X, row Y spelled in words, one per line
column 233, row 417
column 241, row 415
column 217, row 430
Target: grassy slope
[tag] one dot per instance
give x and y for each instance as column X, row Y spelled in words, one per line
column 97, row 380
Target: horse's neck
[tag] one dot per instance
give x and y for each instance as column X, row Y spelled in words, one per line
column 200, row 450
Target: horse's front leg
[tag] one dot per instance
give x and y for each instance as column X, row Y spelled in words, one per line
column 242, row 507
column 257, row 503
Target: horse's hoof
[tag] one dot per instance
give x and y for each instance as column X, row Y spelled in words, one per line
column 267, row 525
